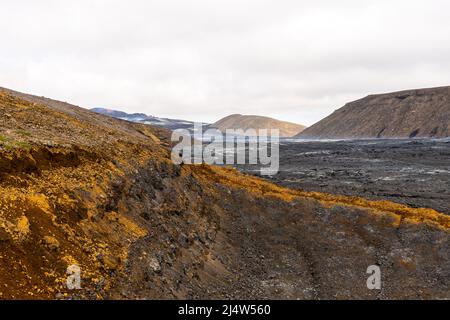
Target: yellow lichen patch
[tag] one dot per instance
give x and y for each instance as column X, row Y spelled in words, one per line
column 22, row 227
column 69, row 260
column 128, row 225
column 12, row 216
column 19, row 230
column 40, row 201
column 233, row 178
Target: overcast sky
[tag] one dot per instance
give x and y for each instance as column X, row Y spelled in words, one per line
column 204, row 59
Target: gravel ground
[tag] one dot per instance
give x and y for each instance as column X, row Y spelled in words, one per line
column 412, row 172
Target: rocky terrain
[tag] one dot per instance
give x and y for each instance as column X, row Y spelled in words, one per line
column 80, row 188
column 422, row 113
column 409, row 171
column 245, row 122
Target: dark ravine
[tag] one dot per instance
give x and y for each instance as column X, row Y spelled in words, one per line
column 422, row 113
column 267, row 247
column 141, row 227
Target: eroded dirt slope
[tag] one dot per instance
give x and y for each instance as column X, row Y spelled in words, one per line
column 104, row 195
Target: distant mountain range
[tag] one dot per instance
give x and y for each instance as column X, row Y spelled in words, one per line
column 422, row 113
column 235, row 121
column 171, row 124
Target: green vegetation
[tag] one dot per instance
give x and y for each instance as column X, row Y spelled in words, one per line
column 9, row 144
column 3, row 138
column 23, row 145
column 23, row 133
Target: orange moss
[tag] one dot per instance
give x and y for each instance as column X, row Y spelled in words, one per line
column 231, row 177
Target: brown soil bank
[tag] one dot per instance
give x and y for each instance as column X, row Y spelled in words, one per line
column 80, row 188
column 406, row 114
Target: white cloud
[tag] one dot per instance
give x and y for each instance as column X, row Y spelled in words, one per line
column 203, row 59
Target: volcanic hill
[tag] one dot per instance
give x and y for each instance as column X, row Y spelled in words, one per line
column 421, row 113
column 80, row 188
column 245, row 122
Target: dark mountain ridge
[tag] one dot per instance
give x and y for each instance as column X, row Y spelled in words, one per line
column 421, row 113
